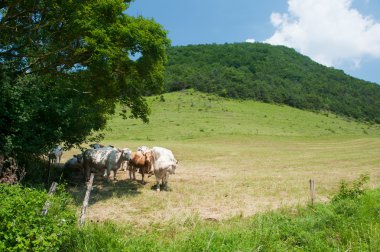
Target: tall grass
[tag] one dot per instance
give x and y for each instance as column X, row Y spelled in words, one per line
column 349, row 223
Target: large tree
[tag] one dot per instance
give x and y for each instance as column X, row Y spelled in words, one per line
column 64, row 65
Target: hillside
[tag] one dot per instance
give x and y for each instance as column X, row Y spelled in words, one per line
column 273, row 74
column 236, row 158
column 190, row 114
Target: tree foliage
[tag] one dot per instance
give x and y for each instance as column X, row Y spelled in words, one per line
column 65, row 64
column 273, row 74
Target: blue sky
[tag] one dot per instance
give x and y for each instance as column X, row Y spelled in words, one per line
column 344, row 34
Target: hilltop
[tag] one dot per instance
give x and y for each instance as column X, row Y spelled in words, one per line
column 272, row 74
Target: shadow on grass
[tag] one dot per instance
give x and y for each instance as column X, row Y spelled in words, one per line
column 103, row 190
column 166, row 188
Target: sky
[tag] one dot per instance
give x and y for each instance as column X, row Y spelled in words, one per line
column 344, row 34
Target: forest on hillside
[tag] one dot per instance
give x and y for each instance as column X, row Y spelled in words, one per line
column 273, row 74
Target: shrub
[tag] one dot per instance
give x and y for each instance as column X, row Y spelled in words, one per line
column 23, row 228
column 351, row 192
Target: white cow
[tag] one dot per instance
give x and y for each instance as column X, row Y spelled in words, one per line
column 55, row 155
column 106, row 159
column 163, row 164
column 74, row 166
column 143, row 149
column 73, row 162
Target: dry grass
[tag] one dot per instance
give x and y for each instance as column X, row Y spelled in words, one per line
column 236, row 158
column 225, row 176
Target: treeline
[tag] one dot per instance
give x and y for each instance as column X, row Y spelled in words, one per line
column 273, row 74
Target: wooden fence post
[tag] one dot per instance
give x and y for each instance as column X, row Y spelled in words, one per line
column 47, row 203
column 82, row 216
column 312, row 192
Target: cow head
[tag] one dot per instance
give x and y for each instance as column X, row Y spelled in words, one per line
column 96, row 146
column 148, row 160
column 126, row 154
column 79, row 158
column 172, row 168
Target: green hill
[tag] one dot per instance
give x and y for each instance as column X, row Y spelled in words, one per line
column 273, row 74
column 236, row 157
column 190, row 115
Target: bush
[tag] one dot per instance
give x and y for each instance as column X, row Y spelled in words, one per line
column 351, row 192
column 23, row 228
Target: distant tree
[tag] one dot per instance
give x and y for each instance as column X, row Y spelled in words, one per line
column 64, row 65
column 271, row 74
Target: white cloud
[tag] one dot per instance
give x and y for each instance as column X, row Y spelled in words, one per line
column 250, row 40
column 331, row 32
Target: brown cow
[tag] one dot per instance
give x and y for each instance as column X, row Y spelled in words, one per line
column 142, row 161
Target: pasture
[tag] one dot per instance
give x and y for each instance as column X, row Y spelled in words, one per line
column 237, row 158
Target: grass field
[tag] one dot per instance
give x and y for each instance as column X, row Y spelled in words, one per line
column 237, row 158
column 348, row 223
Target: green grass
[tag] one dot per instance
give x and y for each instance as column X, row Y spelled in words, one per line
column 349, row 224
column 193, row 115
column 236, row 158
column 242, row 181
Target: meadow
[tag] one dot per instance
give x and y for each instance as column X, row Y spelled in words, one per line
column 237, row 158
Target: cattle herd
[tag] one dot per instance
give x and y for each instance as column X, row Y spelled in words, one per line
column 157, row 160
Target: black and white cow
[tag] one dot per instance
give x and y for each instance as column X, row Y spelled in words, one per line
column 107, row 159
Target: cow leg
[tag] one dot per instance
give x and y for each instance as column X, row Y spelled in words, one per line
column 165, row 181
column 107, row 173
column 158, row 186
column 157, row 183
column 130, row 172
column 114, row 174
column 142, row 178
column 131, row 169
column 87, row 172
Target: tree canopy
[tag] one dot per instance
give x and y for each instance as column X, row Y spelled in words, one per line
column 64, row 65
column 274, row 74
